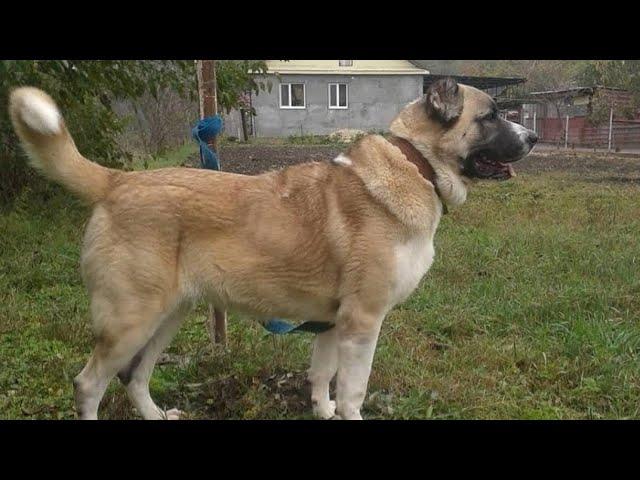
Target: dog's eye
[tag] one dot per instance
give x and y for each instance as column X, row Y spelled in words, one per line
column 492, row 115
column 488, row 117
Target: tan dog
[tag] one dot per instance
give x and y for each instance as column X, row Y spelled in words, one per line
column 340, row 241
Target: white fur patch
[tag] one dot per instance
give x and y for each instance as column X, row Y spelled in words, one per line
column 40, row 114
column 450, row 185
column 324, row 365
column 356, row 358
column 413, row 259
column 342, row 160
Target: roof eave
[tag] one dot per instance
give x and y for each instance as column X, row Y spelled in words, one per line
column 347, row 72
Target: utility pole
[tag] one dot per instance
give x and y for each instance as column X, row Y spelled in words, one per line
column 207, row 94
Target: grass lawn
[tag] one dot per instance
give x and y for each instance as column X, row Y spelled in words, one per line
column 529, row 311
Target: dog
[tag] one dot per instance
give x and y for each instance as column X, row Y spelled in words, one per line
column 340, row 241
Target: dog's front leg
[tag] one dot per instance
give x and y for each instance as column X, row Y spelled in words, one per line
column 324, row 363
column 356, row 347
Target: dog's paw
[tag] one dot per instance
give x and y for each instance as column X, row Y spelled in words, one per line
column 354, row 415
column 173, row 414
column 325, row 411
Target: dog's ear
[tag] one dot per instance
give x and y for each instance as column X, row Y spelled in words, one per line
column 444, row 100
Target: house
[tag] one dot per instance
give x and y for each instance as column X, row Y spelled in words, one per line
column 584, row 117
column 318, row 97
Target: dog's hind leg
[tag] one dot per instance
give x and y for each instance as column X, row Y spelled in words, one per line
column 123, row 329
column 324, row 364
column 90, row 384
column 108, row 357
column 136, row 375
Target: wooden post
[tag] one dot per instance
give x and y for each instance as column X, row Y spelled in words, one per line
column 207, row 93
column 243, row 121
column 610, row 127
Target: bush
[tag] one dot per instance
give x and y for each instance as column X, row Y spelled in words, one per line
column 85, row 91
column 153, row 125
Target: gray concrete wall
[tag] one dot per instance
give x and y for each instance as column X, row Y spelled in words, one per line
column 373, row 102
column 232, row 124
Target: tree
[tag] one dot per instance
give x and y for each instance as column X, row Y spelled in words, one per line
column 155, row 125
column 540, row 74
column 238, row 77
column 440, row 67
column 237, row 80
column 624, row 74
column 85, row 90
column 612, row 73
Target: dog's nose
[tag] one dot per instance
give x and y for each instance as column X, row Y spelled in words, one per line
column 532, row 138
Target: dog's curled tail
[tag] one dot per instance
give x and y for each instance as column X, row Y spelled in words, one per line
column 41, row 129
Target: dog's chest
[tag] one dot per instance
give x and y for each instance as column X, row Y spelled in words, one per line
column 413, row 258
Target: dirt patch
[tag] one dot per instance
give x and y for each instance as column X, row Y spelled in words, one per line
column 615, row 165
column 282, row 393
column 254, row 159
column 347, row 134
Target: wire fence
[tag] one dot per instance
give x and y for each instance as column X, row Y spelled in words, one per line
column 565, row 118
column 577, row 132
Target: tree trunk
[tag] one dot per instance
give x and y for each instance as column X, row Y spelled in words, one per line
column 207, row 90
column 243, row 121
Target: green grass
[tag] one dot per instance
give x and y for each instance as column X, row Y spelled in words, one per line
column 291, row 141
column 529, row 311
column 313, row 140
column 172, row 158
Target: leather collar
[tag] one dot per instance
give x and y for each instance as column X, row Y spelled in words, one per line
column 424, row 167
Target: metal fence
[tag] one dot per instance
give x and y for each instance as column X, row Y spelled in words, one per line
column 562, row 118
column 577, row 132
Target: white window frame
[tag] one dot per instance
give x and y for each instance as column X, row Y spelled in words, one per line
column 338, row 107
column 290, row 107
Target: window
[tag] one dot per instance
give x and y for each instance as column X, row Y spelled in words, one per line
column 338, row 96
column 292, row 95
column 345, row 63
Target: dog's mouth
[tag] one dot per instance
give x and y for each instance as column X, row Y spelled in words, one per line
column 481, row 165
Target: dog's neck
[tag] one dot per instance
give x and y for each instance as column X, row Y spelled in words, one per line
column 452, row 190
column 425, row 168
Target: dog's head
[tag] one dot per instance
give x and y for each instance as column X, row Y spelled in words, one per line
column 457, row 128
